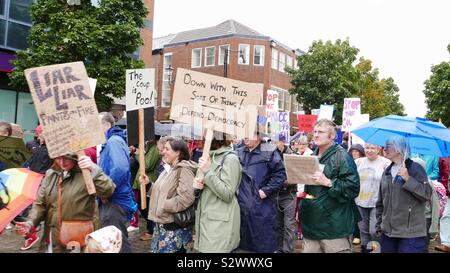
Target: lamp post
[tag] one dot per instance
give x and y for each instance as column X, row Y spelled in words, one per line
column 225, row 60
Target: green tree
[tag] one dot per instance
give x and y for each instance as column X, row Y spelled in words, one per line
column 392, row 96
column 378, row 97
column 437, row 92
column 326, row 75
column 103, row 37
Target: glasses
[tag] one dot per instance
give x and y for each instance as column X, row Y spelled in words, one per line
column 319, row 132
column 302, row 144
column 387, row 147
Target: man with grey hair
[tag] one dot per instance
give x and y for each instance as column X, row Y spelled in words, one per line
column 115, row 162
column 328, row 214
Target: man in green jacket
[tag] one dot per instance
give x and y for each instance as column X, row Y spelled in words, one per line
column 329, row 214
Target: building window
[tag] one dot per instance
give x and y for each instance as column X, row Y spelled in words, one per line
column 196, row 57
column 222, row 49
column 17, row 36
column 15, row 23
column 26, row 114
column 258, row 55
column 289, row 61
column 19, row 10
column 282, row 62
column 210, row 56
column 287, row 101
column 244, row 54
column 280, row 100
column 2, row 8
column 167, row 79
column 274, row 58
column 295, row 104
column 295, row 62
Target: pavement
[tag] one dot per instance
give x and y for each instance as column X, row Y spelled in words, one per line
column 11, row 242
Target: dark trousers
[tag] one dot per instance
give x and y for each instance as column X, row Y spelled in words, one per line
column 402, row 245
column 286, row 221
column 114, row 215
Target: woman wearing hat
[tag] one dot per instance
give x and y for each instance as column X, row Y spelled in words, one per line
column 63, row 200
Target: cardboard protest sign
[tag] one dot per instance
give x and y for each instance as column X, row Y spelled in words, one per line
column 140, row 87
column 306, row 123
column 280, row 127
column 132, row 125
column 326, row 111
column 271, row 104
column 300, row 168
column 65, row 107
column 217, row 103
column 350, row 112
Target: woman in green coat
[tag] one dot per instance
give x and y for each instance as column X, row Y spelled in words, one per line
column 217, row 218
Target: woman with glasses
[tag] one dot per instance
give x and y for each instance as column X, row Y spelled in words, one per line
column 400, row 208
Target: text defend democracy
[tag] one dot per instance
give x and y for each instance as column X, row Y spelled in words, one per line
column 212, row 116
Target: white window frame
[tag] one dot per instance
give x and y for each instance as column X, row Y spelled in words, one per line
column 274, row 59
column 287, row 101
column 282, row 62
column 289, row 61
column 246, row 56
column 166, row 93
column 222, row 54
column 200, row 57
column 213, row 56
column 261, row 56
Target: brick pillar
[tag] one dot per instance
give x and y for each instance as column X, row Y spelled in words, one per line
column 145, row 53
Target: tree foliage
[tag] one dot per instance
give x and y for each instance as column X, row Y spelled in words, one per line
column 378, row 97
column 326, row 74
column 437, row 92
column 103, row 37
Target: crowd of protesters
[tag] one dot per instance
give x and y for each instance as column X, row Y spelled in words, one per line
column 242, row 201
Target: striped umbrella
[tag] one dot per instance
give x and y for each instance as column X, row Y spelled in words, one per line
column 18, row 190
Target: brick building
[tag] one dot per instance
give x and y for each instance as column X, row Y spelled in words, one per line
column 252, row 57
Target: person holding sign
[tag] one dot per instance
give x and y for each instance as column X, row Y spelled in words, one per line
column 263, row 169
column 63, row 197
column 329, row 213
column 115, row 161
column 218, row 216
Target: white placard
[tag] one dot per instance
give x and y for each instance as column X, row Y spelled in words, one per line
column 350, row 113
column 326, row 111
column 271, row 104
column 140, row 87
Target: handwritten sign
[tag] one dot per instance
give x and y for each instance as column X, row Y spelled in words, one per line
column 280, row 127
column 65, row 107
column 271, row 104
column 301, row 168
column 222, row 104
column 350, row 113
column 140, row 86
column 306, row 123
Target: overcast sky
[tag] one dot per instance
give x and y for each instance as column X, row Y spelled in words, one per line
column 403, row 38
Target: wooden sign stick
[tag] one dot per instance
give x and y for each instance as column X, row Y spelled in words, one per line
column 87, row 177
column 206, row 147
column 142, row 157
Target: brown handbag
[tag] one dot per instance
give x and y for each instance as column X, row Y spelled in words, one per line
column 72, row 231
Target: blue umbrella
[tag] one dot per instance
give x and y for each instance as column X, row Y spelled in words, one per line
column 424, row 136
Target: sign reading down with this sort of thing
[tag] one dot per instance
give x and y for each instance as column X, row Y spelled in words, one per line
column 65, row 107
column 222, row 104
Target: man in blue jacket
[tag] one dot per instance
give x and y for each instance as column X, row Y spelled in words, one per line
column 115, row 162
column 264, row 170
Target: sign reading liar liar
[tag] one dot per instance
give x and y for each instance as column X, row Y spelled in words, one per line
column 208, row 101
column 140, row 86
column 65, row 107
